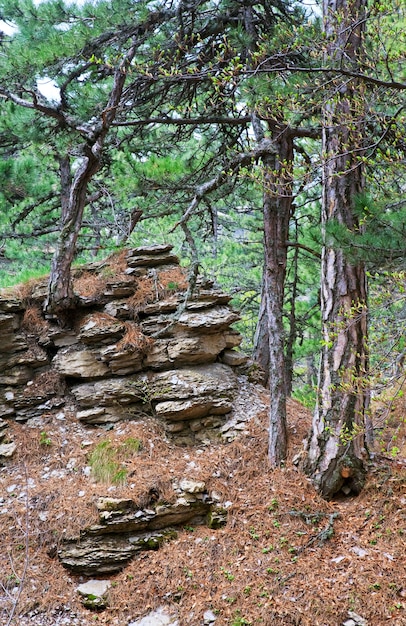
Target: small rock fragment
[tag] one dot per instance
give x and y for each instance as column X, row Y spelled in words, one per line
column 209, row 617
column 160, row 617
column 192, row 486
column 7, row 449
column 355, row 620
column 359, row 551
column 113, row 504
column 94, row 593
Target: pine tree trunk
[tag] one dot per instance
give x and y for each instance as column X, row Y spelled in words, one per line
column 336, row 452
column 61, row 298
column 277, row 212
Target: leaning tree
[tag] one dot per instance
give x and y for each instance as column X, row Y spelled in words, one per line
column 88, row 53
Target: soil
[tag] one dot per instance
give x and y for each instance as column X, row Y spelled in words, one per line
column 285, row 557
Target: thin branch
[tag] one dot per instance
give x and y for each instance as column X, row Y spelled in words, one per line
column 264, row 147
column 301, row 246
column 311, row 133
column 323, row 536
column 31, row 207
column 388, row 84
column 187, row 121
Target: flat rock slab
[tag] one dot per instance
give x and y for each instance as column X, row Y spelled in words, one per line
column 207, row 321
column 216, row 380
column 78, row 362
column 160, row 617
column 199, row 391
column 150, row 250
column 99, row 328
column 184, row 350
column 94, row 593
column 108, row 554
column 94, row 587
column 152, row 261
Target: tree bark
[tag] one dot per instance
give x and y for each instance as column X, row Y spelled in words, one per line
column 61, row 298
column 66, row 182
column 336, row 452
column 277, row 209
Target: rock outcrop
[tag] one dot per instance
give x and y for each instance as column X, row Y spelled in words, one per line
column 7, row 448
column 138, row 344
column 124, row 530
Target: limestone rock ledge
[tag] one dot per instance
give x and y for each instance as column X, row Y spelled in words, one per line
column 124, row 530
column 136, row 347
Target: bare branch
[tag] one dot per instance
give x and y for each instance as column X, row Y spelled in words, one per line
column 301, row 246
column 187, row 121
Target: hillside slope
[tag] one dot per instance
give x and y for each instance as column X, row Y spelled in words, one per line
column 284, row 557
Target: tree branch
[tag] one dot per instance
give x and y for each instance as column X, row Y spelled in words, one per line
column 301, row 246
column 391, row 84
column 187, row 121
column 311, row 133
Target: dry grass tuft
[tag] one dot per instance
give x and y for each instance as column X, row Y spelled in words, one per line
column 172, row 280
column 144, row 294
column 88, row 284
column 23, row 291
column 134, row 339
column 33, row 320
column 159, row 285
column 47, row 383
column 117, row 262
column 103, row 319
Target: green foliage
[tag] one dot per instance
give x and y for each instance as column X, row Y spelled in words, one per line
column 45, row 439
column 103, row 465
column 274, row 505
column 253, row 534
column 129, row 447
column 15, row 275
column 348, row 434
column 387, row 324
column 239, row 620
column 381, row 236
column 306, row 395
column 106, row 460
column 227, row 574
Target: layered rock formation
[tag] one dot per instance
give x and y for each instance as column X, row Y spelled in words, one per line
column 124, row 530
column 138, row 343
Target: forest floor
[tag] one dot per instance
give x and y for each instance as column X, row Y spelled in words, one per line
column 285, row 557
